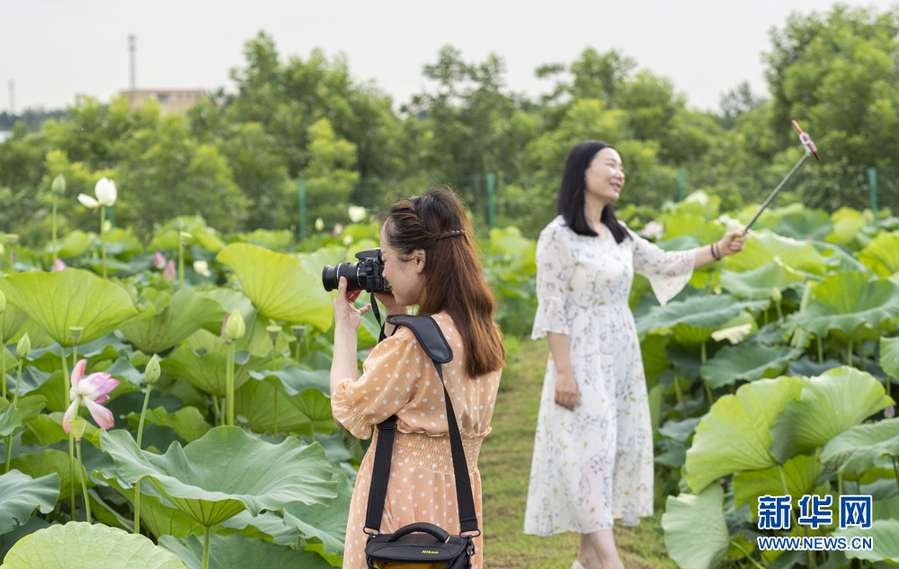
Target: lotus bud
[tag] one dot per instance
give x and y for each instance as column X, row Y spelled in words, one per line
column 2, row 302
column 889, row 412
column 2, row 249
column 356, row 213
column 338, row 229
column 202, row 268
column 169, row 274
column 159, row 260
column 77, row 428
column 58, row 265
column 319, row 224
column 152, row 371
column 58, row 186
column 273, row 333
column 105, row 191
column 76, row 332
column 348, row 240
column 234, row 326
column 23, row 348
column 107, row 227
column 298, row 331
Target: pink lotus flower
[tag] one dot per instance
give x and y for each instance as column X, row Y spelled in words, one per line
column 58, row 265
column 653, row 230
column 889, row 412
column 91, row 391
column 159, row 260
column 169, row 273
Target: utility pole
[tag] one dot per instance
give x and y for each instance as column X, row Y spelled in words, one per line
column 12, row 97
column 131, row 49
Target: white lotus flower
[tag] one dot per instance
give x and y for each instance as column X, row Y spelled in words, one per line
column 319, row 224
column 106, row 194
column 653, row 230
column 202, row 268
column 356, row 213
column 348, row 240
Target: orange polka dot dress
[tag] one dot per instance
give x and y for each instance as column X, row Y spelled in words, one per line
column 399, row 379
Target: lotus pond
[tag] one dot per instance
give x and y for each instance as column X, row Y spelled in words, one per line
column 770, row 374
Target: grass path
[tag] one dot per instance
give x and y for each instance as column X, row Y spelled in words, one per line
column 505, row 463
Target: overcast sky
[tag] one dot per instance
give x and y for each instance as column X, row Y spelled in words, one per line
column 55, row 49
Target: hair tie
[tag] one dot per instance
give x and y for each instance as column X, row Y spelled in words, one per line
column 448, row 234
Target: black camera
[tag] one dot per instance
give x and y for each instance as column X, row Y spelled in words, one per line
column 367, row 274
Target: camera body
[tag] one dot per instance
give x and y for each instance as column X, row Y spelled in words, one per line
column 367, row 274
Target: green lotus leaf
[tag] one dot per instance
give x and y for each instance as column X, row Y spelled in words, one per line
column 889, row 356
column 326, row 524
column 883, row 533
column 847, row 302
column 856, row 449
column 129, row 244
column 759, row 283
column 696, row 519
column 708, row 312
column 159, row 516
column 734, row 435
column 59, row 300
column 679, row 430
column 239, row 551
column 308, row 390
column 182, row 314
column 9, row 539
column 800, row 472
column 44, row 431
column 226, row 472
column 11, row 320
column 267, row 525
column 746, row 362
column 680, row 225
column 10, row 420
column 846, row 224
column 256, row 402
column 76, row 545
column 813, row 223
column 188, row 422
column 75, row 244
column 50, row 461
column 20, row 494
column 882, row 254
column 828, row 405
column 206, row 372
column 27, row 408
column 279, row 285
column 763, row 248
column 652, row 349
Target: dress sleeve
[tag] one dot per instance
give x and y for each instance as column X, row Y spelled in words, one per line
column 387, row 384
column 555, row 264
column 668, row 271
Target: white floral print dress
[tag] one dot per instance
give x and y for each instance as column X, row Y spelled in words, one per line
column 595, row 464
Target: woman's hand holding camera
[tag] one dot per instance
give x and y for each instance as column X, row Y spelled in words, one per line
column 345, row 313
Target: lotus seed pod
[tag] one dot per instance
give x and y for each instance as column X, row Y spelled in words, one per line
column 152, row 371
column 235, row 327
column 77, row 428
column 76, row 332
column 23, row 348
column 58, row 186
column 298, row 330
column 273, row 333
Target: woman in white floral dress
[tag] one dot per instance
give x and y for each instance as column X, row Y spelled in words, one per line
column 593, row 456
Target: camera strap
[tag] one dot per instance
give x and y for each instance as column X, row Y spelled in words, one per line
column 374, row 308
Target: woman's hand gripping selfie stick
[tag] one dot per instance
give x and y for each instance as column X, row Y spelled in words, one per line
column 809, row 149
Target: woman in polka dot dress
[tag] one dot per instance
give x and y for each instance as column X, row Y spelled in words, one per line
column 430, row 261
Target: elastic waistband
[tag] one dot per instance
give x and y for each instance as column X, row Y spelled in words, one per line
column 433, row 453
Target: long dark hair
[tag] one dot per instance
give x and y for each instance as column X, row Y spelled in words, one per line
column 571, row 193
column 453, row 281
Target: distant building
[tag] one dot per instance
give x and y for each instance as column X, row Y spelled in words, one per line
column 171, row 100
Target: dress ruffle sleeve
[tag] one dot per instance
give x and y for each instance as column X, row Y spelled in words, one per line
column 387, row 384
column 668, row 271
column 555, row 264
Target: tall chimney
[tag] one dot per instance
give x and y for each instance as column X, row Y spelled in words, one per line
column 131, row 49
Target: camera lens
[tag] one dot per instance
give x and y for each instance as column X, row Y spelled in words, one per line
column 355, row 279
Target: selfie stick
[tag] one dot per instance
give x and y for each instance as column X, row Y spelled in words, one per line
column 809, row 149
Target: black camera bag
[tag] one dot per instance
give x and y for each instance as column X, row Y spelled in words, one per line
column 422, row 542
